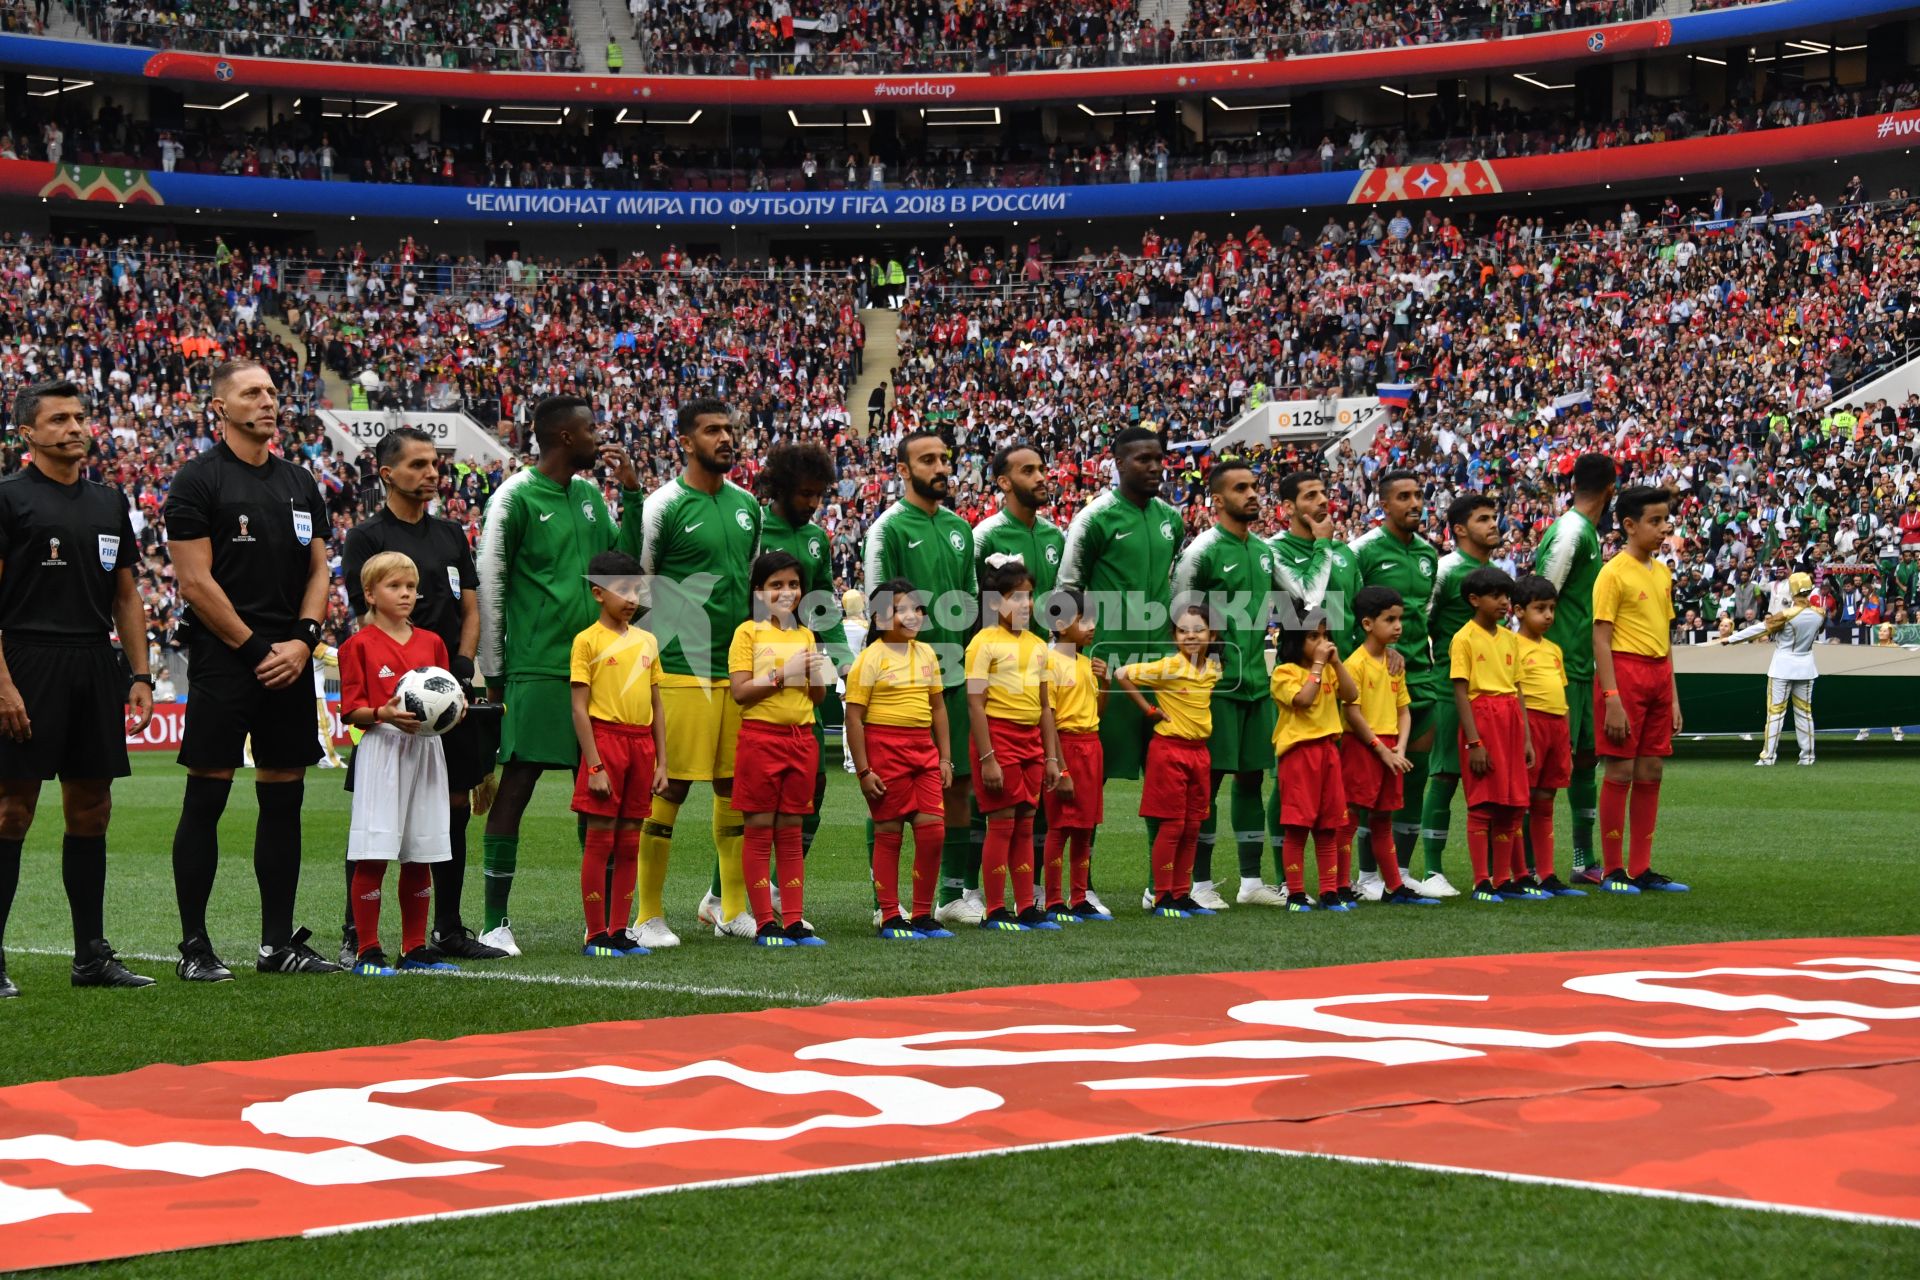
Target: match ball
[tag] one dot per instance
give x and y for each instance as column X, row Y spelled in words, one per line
column 434, row 696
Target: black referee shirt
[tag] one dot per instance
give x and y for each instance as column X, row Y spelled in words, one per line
column 262, row 521
column 61, row 545
column 438, row 549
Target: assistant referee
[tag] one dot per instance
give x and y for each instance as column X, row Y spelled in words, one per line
column 248, row 535
column 67, row 548
column 449, row 606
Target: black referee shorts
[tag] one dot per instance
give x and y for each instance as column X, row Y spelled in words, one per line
column 76, row 705
column 225, row 703
column 471, row 747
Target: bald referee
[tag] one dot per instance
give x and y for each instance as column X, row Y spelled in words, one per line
column 67, row 548
column 448, row 606
column 248, row 535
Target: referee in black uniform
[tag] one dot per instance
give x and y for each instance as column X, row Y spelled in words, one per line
column 248, row 535
column 67, row 550
column 447, row 605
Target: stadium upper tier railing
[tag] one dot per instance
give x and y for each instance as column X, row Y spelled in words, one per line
column 1256, row 59
column 801, row 58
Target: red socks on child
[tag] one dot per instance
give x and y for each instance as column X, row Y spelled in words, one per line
column 593, row 880
column 1644, row 811
column 1613, row 824
column 1540, row 819
column 928, row 838
column 756, row 857
column 886, row 872
column 416, row 898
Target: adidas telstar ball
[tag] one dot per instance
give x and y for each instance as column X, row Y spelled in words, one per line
column 433, row 695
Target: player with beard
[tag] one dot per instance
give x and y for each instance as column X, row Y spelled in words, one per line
column 1320, row 573
column 541, row 528
column 1394, row 555
column 921, row 540
column 702, row 533
column 1019, row 472
column 1227, row 570
column 1474, row 521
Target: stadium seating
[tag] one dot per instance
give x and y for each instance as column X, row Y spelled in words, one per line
column 518, row 35
column 1719, row 362
column 780, row 37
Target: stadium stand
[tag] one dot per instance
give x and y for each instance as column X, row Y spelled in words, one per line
column 811, row 37
column 500, row 35
column 109, row 134
column 1720, row 360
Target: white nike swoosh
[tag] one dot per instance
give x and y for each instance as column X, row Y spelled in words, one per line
column 695, row 525
column 1228, row 568
column 911, row 543
column 1127, row 534
column 545, row 516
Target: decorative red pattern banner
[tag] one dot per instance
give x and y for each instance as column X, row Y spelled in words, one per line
column 1774, row 1073
column 1409, row 62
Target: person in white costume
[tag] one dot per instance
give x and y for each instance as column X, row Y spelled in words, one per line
column 1790, row 675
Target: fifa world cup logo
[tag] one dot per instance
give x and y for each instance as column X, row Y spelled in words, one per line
column 53, row 548
column 243, row 526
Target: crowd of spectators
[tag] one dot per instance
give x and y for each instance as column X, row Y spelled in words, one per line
column 297, row 148
column 1719, row 362
column 823, row 37
column 490, row 35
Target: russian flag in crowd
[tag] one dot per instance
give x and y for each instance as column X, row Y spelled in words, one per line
column 1581, row 399
column 1395, row 395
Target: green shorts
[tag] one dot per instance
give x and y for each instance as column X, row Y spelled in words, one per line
column 959, row 730
column 1444, row 757
column 1123, row 738
column 1242, row 739
column 537, row 728
column 1580, row 715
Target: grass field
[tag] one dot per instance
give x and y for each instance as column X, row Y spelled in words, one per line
column 1787, row 852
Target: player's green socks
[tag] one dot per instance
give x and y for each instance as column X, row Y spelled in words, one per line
column 1406, row 823
column 976, row 844
column 499, row 855
column 1274, row 834
column 713, row 885
column 1203, row 850
column 1435, row 817
column 955, row 852
column 1249, row 836
column 1583, row 796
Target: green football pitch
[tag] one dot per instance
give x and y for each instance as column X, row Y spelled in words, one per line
column 1780, row 853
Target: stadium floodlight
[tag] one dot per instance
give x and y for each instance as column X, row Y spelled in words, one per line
column 60, row 85
column 864, row 122
column 647, row 117
column 1250, row 106
column 234, row 101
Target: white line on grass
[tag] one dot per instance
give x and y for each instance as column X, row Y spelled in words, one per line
column 767, row 994
column 746, row 1180
column 1652, row 1193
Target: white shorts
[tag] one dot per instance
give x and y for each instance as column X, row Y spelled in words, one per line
column 399, row 799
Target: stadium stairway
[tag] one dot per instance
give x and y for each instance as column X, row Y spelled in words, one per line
column 597, row 21
column 1159, row 11
column 333, row 386
column 62, row 25
column 877, row 362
